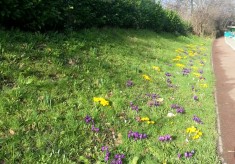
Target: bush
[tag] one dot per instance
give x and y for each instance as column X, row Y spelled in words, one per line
column 46, row 15
column 174, row 23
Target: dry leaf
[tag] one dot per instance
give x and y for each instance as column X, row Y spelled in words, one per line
column 118, row 141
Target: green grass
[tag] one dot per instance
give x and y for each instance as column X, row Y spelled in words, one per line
column 48, row 82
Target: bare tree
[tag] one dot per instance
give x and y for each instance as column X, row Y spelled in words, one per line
column 206, row 16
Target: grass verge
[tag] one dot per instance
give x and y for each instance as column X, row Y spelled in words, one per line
column 65, row 96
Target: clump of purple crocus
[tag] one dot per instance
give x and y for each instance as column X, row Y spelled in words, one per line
column 134, row 107
column 187, row 154
column 178, row 108
column 107, row 154
column 153, row 103
column 93, row 128
column 136, row 135
column 168, row 74
column 129, row 83
column 200, row 71
column 152, row 95
column 197, row 119
column 195, row 97
column 165, row 138
column 175, row 106
column 118, row 159
column 186, row 71
column 88, row 120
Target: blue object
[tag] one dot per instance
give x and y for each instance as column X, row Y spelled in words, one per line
column 228, row 34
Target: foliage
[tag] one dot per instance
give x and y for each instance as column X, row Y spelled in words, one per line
column 46, row 15
column 174, row 22
column 77, row 97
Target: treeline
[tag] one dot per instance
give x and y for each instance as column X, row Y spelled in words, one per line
column 44, row 15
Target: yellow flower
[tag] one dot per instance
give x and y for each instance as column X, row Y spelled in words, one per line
column 150, row 122
column 197, row 74
column 146, row 77
column 195, row 68
column 177, row 58
column 145, row 119
column 156, row 68
column 195, row 132
column 196, row 137
column 102, row 101
column 179, row 50
column 180, row 65
column 191, row 129
column 203, row 85
column 96, row 99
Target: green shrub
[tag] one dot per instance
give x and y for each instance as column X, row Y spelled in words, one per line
column 46, row 15
column 174, row 23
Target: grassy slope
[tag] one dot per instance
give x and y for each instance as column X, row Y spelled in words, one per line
column 48, row 83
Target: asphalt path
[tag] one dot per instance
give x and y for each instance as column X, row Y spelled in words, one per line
column 223, row 59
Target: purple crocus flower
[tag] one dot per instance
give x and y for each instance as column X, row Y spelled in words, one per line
column 107, row 155
column 88, row 119
column 136, row 135
column 165, row 138
column 134, row 107
column 195, row 98
column 118, row 159
column 168, row 74
column 188, row 154
column 93, row 128
column 175, row 106
column 186, row 71
column 179, row 155
column 119, row 156
column 197, row 119
column 168, row 137
column 200, row 71
column 161, row 138
column 180, row 110
column 152, row 96
column 129, row 83
column 104, row 148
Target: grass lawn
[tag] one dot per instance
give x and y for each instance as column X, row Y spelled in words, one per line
column 106, row 94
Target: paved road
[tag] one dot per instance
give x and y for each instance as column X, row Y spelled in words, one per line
column 224, row 67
